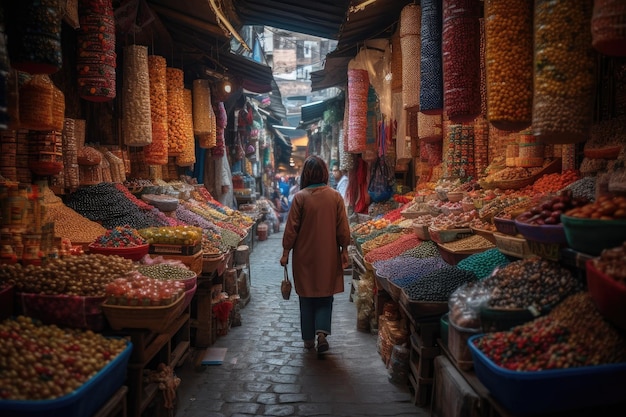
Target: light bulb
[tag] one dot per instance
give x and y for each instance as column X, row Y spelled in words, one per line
column 227, row 87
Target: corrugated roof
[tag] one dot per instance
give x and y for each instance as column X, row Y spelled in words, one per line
column 322, row 18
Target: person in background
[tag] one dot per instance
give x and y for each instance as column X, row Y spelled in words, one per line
column 341, row 178
column 295, row 187
column 318, row 233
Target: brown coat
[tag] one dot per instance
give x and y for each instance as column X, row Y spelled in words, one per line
column 316, row 230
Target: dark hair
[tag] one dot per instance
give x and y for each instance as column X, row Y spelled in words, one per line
column 314, row 171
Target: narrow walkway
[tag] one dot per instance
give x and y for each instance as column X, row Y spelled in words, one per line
column 267, row 372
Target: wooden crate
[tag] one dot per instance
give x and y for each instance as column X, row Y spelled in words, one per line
column 193, row 262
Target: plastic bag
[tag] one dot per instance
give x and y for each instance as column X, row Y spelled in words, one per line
column 380, row 187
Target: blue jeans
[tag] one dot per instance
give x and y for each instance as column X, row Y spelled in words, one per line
column 315, row 316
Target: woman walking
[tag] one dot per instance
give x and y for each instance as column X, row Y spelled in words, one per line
column 318, row 232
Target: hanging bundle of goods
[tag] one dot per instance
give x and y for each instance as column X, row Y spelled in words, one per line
column 156, row 152
column 42, row 105
column 34, row 36
column 410, row 44
column 45, row 152
column 429, row 127
column 481, row 145
column 509, row 62
column 403, row 141
column 96, row 57
column 373, row 134
column 89, row 160
column 608, row 30
column 70, row 155
column 358, row 88
column 461, row 66
column 175, row 110
column 202, row 124
column 187, row 155
column 136, row 117
column 460, row 152
column 431, row 78
column 482, row 54
column 221, row 120
column 564, row 76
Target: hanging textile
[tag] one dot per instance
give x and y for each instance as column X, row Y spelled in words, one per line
column 396, row 62
column 564, row 77
column 221, row 120
column 410, row 28
column 431, row 71
column 403, row 141
column 461, row 66
column 370, row 153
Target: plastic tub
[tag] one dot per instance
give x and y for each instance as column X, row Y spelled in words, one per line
column 85, row 401
column 550, row 391
column 545, row 233
column 608, row 295
column 592, row 235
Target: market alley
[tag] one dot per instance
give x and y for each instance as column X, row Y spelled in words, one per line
column 267, row 372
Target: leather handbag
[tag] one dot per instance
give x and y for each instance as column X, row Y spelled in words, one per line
column 285, row 286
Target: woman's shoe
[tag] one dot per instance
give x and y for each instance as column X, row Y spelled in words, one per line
column 309, row 344
column 322, row 343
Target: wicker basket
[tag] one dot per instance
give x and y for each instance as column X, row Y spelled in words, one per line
column 454, row 257
column 156, row 319
column 445, row 236
column 211, row 262
column 511, row 245
column 421, row 230
column 487, row 234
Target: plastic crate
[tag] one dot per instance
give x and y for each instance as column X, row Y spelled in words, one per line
column 550, row 391
column 183, row 250
column 83, row 402
column 457, row 344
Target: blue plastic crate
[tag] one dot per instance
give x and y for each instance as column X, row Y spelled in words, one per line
column 84, row 402
column 550, row 391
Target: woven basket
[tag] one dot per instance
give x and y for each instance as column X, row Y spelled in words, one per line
column 410, row 45
column 156, row 319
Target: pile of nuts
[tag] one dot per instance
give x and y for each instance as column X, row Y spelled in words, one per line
column 574, row 334
column 612, row 262
column 41, row 362
column 531, row 282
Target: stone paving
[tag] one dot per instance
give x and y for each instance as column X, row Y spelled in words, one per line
column 267, row 371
